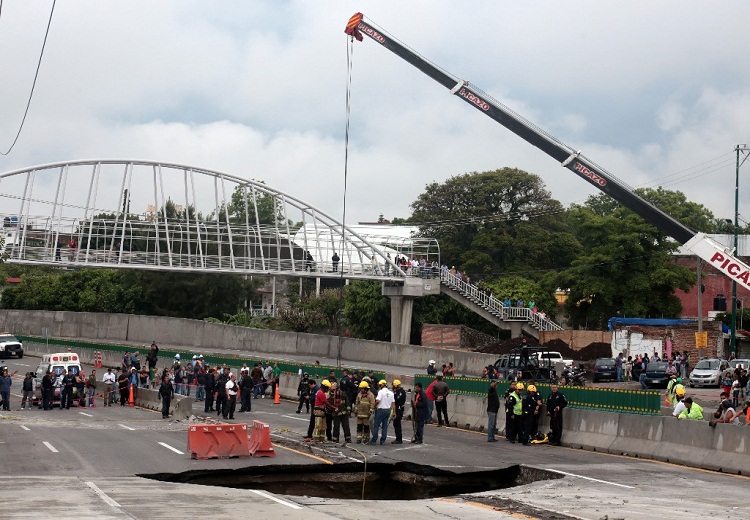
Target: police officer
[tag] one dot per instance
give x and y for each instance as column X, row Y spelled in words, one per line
column 531, row 405
column 509, row 410
column 221, row 393
column 303, row 393
column 513, row 424
column 399, row 395
column 555, row 404
column 209, row 381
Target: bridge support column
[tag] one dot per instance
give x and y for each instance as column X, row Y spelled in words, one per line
column 516, row 328
column 402, row 296
column 401, row 311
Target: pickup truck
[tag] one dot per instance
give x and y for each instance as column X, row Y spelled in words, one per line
column 555, row 357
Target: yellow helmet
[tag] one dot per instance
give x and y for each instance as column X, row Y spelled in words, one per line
column 383, row 382
column 519, row 386
column 364, row 384
column 531, row 388
column 325, row 382
column 680, row 391
column 396, row 382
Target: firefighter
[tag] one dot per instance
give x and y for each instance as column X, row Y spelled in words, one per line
column 319, row 410
column 363, row 408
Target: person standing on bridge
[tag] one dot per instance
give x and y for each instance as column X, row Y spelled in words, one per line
column 335, row 262
column 166, row 392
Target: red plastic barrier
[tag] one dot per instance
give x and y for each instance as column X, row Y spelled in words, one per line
column 260, row 440
column 218, row 441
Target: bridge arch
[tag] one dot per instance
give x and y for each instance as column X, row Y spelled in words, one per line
column 125, row 213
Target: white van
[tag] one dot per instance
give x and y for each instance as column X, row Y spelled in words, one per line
column 57, row 363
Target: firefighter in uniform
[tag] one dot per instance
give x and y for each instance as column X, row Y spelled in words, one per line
column 319, row 410
column 513, row 413
column 399, row 395
column 341, row 409
column 363, row 408
column 555, row 404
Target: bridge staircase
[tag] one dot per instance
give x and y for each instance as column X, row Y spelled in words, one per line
column 515, row 319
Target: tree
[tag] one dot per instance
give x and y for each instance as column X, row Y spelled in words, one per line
column 494, row 222
column 626, row 267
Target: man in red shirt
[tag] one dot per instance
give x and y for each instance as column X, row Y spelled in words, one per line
column 319, row 410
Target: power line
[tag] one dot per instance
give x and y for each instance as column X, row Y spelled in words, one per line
column 36, row 75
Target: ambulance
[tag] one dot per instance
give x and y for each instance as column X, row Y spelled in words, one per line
column 56, row 363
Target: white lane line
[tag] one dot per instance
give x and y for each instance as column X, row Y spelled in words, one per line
column 101, row 494
column 296, row 418
column 24, row 427
column 22, row 364
column 171, row 448
column 51, row 448
column 126, row 427
column 589, row 478
column 86, row 414
column 275, row 499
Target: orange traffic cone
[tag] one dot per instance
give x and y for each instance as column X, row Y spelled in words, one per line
column 276, row 399
column 131, row 400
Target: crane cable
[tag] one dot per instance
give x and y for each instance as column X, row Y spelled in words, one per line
column 36, row 75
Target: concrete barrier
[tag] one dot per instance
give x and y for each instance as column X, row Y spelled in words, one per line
column 591, row 430
column 180, row 408
column 637, row 435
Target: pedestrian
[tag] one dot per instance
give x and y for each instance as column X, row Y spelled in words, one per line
column 48, row 389
column 166, row 392
column 209, row 384
column 221, row 393
column 246, row 390
column 619, row 361
column 109, row 380
column 384, row 408
column 493, row 406
column 256, row 374
column 399, row 401
column 68, row 383
column 80, row 386
column 440, row 390
column 419, row 413
column 232, row 389
column 555, row 404
column 513, row 414
column 122, row 386
column 28, row 390
column 275, row 377
column 153, row 355
column 364, row 407
column 91, row 384
column 431, row 368
column 629, row 369
column 335, row 262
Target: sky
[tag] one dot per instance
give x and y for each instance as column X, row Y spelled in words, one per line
column 656, row 92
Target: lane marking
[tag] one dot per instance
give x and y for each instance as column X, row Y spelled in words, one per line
column 178, row 452
column 51, row 448
column 22, row 364
column 296, row 418
column 126, row 427
column 101, row 494
column 303, row 453
column 589, row 478
column 275, row 499
column 86, row 414
column 24, row 427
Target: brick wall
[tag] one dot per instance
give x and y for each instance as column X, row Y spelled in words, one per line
column 576, row 339
column 453, row 336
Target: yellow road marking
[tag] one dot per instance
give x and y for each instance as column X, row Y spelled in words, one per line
column 305, row 454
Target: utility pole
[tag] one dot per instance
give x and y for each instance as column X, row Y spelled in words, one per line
column 745, row 150
column 700, row 297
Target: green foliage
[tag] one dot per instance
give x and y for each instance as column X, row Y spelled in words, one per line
column 495, row 222
column 367, row 312
column 518, row 287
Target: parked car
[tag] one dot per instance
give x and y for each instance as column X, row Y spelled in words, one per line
column 707, row 372
column 744, row 363
column 554, row 358
column 604, row 368
column 656, row 375
column 10, row 345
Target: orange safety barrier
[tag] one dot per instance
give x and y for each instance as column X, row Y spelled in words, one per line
column 218, row 441
column 260, row 440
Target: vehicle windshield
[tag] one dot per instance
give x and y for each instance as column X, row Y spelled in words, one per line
column 707, row 364
column 8, row 337
column 657, row 367
column 744, row 363
column 604, row 362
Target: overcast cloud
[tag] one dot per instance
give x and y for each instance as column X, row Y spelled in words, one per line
column 257, row 89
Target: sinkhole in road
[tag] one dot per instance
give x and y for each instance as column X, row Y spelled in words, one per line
column 376, row 481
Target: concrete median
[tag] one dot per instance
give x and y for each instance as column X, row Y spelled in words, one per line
column 591, row 430
column 637, row 435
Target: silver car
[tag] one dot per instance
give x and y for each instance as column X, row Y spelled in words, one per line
column 707, row 372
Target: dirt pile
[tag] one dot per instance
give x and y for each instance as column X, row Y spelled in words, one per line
column 587, row 353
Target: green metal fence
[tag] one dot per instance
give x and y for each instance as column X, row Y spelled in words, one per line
column 317, row 372
column 644, row 402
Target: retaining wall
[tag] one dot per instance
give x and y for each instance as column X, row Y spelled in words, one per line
column 205, row 336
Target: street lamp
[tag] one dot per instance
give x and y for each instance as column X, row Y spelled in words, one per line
column 733, row 333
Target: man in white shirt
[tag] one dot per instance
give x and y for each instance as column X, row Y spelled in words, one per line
column 232, row 389
column 384, row 408
column 110, row 387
